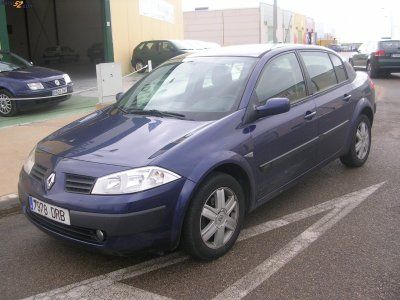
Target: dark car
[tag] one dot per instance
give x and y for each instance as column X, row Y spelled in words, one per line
column 160, row 51
column 59, row 54
column 20, row 79
column 96, row 52
column 379, row 58
column 196, row 145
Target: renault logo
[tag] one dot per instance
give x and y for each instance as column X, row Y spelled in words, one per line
column 57, row 82
column 50, row 181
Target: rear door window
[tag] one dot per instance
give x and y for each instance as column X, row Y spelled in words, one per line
column 320, row 69
column 339, row 68
column 281, row 77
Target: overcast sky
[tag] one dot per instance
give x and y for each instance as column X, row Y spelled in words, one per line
column 352, row 20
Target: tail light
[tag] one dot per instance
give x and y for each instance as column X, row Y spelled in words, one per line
column 371, row 84
column 380, row 53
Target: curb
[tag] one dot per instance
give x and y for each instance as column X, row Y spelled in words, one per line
column 9, row 203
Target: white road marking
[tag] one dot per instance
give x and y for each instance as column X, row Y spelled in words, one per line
column 270, row 266
column 107, row 286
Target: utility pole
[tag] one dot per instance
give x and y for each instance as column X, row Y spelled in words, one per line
column 275, row 24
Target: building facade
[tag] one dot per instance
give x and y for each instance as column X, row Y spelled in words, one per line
column 247, row 25
column 115, row 26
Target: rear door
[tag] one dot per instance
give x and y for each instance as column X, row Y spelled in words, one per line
column 284, row 144
column 330, row 88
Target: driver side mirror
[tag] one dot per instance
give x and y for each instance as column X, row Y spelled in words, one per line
column 273, row 106
column 119, row 96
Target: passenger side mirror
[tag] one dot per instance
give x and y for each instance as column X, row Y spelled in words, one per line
column 273, row 106
column 119, row 96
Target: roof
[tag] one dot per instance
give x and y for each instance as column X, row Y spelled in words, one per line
column 251, row 50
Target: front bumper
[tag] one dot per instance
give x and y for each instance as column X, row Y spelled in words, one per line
column 141, row 221
column 25, row 104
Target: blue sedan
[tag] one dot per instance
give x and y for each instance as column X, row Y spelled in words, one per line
column 197, row 144
column 20, row 79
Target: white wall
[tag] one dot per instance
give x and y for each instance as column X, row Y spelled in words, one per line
column 225, row 27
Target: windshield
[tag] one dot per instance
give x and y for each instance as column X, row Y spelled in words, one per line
column 11, row 62
column 201, row 89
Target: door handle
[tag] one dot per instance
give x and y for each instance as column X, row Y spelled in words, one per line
column 309, row 115
column 346, row 97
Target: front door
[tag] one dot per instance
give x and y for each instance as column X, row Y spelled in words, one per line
column 284, row 144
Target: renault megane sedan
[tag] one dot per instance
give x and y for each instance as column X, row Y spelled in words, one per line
column 197, row 144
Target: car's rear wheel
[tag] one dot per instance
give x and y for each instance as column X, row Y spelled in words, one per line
column 214, row 218
column 139, row 66
column 372, row 71
column 8, row 107
column 360, row 144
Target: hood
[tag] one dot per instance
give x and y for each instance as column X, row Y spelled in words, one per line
column 110, row 137
column 31, row 73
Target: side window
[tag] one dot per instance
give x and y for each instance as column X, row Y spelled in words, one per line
column 148, row 46
column 167, row 47
column 339, row 68
column 320, row 69
column 281, row 77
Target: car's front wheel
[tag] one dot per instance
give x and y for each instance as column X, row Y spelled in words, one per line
column 139, row 66
column 214, row 217
column 360, row 144
column 8, row 107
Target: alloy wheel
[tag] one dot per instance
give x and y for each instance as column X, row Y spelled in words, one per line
column 5, row 104
column 219, row 218
column 362, row 140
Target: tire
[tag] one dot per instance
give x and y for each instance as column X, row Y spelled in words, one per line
column 356, row 158
column 372, row 71
column 139, row 64
column 8, row 108
column 219, row 235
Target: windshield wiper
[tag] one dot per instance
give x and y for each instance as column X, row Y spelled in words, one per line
column 157, row 113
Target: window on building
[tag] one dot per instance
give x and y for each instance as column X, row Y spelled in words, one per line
column 339, row 68
column 281, row 77
column 320, row 69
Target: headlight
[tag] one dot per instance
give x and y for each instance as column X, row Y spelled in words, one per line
column 67, row 78
column 28, row 165
column 35, row 86
column 134, row 180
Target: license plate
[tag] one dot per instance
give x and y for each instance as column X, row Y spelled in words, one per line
column 395, row 55
column 49, row 211
column 59, row 91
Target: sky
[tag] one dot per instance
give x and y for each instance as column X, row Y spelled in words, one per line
column 351, row 20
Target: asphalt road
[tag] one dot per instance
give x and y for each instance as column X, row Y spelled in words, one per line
column 348, row 248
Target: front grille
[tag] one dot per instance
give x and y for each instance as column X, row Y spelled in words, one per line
column 79, row 184
column 52, row 83
column 78, row 233
column 38, row 172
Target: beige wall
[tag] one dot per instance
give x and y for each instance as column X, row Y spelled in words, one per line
column 225, row 27
column 129, row 28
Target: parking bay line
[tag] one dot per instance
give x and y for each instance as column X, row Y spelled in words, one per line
column 108, row 284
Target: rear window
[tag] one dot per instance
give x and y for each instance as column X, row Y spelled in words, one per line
column 339, row 68
column 390, row 45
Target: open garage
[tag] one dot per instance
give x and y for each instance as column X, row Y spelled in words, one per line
column 62, row 34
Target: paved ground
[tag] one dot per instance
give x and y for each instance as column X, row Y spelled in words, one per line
column 334, row 236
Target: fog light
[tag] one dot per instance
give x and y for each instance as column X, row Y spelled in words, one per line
column 100, row 235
